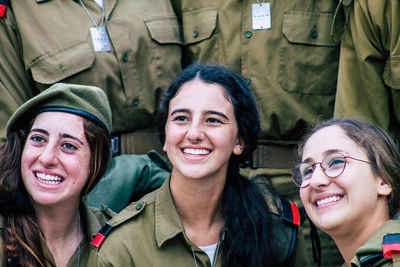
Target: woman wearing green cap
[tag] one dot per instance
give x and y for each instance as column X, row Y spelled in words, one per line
column 57, row 149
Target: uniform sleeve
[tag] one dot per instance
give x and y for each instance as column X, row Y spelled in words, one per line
column 15, row 86
column 128, row 178
column 361, row 92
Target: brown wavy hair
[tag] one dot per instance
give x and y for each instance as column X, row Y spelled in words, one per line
column 21, row 233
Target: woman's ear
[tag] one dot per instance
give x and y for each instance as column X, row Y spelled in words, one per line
column 239, row 146
column 384, row 189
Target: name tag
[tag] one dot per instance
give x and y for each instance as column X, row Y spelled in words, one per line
column 261, row 16
column 100, row 39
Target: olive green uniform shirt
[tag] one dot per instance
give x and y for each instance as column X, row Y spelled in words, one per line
column 44, row 42
column 94, row 219
column 150, row 233
column 369, row 73
column 292, row 67
column 371, row 253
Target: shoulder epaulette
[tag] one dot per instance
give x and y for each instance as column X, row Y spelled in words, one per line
column 132, row 210
column 101, row 235
column 290, row 212
column 390, row 245
column 3, row 7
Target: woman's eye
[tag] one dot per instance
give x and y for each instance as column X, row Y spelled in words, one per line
column 336, row 162
column 307, row 172
column 69, row 146
column 180, row 118
column 37, row 139
column 214, row 120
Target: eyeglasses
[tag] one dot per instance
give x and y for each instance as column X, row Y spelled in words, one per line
column 332, row 165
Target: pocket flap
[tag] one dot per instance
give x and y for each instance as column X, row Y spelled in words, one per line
column 391, row 74
column 56, row 66
column 164, row 30
column 199, row 24
column 311, row 28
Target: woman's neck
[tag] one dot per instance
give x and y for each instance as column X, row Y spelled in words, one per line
column 348, row 242
column 199, row 205
column 62, row 229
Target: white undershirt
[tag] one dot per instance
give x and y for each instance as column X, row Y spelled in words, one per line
column 99, row 2
column 210, row 251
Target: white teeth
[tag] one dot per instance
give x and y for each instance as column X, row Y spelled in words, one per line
column 196, row 151
column 48, row 179
column 328, row 200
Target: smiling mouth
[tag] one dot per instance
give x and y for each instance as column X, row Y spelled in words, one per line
column 196, row 152
column 328, row 200
column 48, row 179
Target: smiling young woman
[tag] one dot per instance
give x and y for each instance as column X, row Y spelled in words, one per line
column 206, row 213
column 57, row 149
column 349, row 181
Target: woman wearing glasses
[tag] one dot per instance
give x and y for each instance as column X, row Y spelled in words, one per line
column 349, row 181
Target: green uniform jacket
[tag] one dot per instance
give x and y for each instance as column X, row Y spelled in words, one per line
column 369, row 73
column 127, row 179
column 371, row 254
column 44, row 42
column 94, row 219
column 150, row 233
column 292, row 67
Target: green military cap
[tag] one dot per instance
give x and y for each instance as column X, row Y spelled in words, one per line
column 86, row 101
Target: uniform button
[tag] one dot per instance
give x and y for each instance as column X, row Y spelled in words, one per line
column 314, row 33
column 195, row 33
column 124, row 57
column 247, row 80
column 139, row 206
column 135, row 102
column 248, row 34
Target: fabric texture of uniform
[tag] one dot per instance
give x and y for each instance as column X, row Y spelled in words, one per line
column 94, row 219
column 150, row 232
column 87, row 101
column 44, row 42
column 291, row 69
column 369, row 73
column 127, row 179
column 370, row 254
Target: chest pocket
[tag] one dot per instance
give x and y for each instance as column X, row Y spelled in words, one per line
column 199, row 24
column 309, row 56
column 62, row 63
column 164, row 30
column 391, row 74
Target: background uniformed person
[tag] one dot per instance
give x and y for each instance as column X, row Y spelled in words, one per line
column 369, row 73
column 289, row 57
column 130, row 49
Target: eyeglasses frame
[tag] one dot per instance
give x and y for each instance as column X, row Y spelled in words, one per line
column 323, row 169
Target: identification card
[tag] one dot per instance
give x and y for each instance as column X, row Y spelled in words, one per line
column 100, row 39
column 261, row 16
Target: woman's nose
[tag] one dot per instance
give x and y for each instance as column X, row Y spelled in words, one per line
column 319, row 178
column 49, row 155
column 195, row 132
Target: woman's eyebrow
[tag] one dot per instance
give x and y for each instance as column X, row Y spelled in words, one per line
column 71, row 137
column 183, row 110
column 217, row 113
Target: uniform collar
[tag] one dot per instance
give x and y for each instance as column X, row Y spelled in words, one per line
column 92, row 222
column 167, row 222
column 374, row 244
